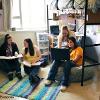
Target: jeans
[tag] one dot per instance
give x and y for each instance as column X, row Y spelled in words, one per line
column 31, row 70
column 67, row 65
column 10, row 66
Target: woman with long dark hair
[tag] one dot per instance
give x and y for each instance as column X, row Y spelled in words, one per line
column 8, row 48
column 76, row 56
column 31, row 54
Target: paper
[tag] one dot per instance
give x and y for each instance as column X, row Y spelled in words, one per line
column 37, row 63
column 29, row 65
column 19, row 56
column 26, row 63
column 11, row 57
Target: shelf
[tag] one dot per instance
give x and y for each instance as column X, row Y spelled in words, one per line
column 42, row 40
column 45, row 54
column 43, row 43
column 43, row 47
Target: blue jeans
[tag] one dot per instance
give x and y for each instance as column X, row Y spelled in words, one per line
column 31, row 70
column 67, row 65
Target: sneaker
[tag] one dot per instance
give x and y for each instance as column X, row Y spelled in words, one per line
column 63, row 88
column 48, row 82
column 10, row 76
column 19, row 76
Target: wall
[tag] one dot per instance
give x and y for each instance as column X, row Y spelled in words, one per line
column 19, row 37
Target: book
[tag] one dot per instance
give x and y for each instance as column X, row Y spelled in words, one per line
column 11, row 57
column 30, row 65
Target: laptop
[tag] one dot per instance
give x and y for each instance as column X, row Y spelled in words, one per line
column 60, row 54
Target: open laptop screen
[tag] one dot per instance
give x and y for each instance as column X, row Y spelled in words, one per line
column 60, row 54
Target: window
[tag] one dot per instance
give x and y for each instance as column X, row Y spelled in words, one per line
column 28, row 14
column 16, row 14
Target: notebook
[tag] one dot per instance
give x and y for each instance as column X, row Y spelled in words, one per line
column 11, row 57
column 30, row 65
column 60, row 54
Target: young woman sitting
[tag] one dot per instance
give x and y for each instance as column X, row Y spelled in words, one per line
column 31, row 54
column 76, row 57
column 8, row 48
column 63, row 36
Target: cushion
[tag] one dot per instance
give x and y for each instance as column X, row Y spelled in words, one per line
column 76, row 73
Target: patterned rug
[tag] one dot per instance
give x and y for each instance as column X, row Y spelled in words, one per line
column 37, row 91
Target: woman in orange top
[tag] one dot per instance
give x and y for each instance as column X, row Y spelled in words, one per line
column 76, row 57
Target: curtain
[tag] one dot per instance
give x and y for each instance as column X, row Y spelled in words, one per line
column 6, row 11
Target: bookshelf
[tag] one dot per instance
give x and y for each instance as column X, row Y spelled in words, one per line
column 43, row 43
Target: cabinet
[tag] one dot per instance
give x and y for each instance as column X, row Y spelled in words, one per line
column 43, row 43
